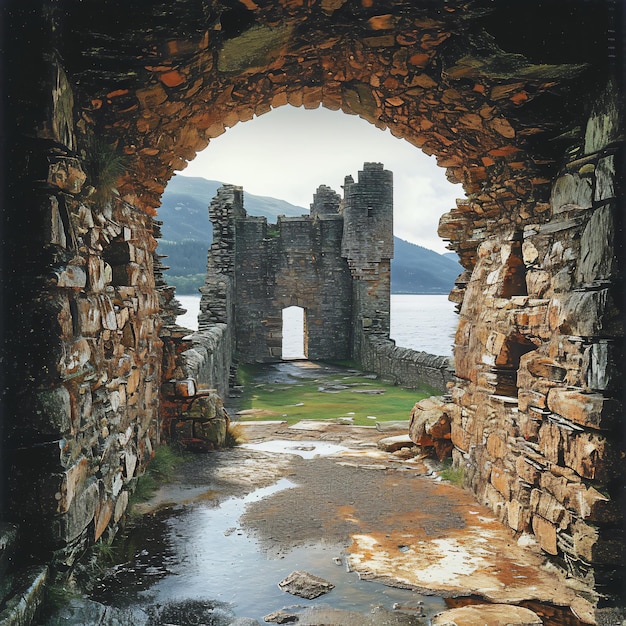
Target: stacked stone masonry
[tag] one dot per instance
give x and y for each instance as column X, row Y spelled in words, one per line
column 521, row 110
column 537, row 404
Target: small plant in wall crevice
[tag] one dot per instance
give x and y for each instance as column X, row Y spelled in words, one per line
column 105, row 166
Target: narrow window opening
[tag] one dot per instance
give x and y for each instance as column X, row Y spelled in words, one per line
column 514, row 283
column 294, row 344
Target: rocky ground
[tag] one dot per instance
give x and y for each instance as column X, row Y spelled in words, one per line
column 398, row 521
column 382, row 503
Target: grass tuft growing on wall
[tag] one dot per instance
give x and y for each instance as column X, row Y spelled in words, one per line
column 454, row 475
column 235, row 435
column 160, row 470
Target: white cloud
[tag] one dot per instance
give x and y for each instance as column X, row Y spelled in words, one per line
column 289, row 152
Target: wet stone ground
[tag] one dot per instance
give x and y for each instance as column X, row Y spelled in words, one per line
column 396, row 544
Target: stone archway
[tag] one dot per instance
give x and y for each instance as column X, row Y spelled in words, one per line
column 531, row 128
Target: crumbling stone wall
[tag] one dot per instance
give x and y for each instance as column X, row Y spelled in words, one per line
column 334, row 264
column 82, row 351
column 537, row 417
column 500, row 93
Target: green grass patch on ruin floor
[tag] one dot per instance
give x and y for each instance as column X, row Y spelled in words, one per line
column 363, row 398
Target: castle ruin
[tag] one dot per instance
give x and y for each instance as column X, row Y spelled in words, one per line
column 521, row 102
column 335, row 265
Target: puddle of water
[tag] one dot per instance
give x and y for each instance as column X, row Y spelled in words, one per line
column 305, row 449
column 201, row 552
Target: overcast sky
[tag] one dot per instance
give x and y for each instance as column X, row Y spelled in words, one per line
column 288, row 152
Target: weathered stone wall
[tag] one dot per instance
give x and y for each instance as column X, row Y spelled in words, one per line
column 82, row 351
column 367, row 245
column 538, row 421
column 297, row 262
column 403, row 366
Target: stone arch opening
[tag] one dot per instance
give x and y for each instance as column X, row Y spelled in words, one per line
column 515, row 123
column 294, row 333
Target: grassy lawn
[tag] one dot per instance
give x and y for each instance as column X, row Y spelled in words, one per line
column 343, row 394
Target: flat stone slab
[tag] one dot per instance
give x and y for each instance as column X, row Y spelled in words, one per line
column 487, row 615
column 452, row 546
column 305, row 585
column 391, row 444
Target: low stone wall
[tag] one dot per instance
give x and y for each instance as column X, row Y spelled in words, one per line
column 406, row 367
column 209, row 358
column 198, row 368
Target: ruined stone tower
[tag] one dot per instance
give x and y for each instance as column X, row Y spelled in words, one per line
column 367, row 245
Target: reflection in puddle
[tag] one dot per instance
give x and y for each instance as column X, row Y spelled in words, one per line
column 201, row 551
column 304, row 449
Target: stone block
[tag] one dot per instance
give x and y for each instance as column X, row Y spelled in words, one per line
column 211, row 432
column 605, row 179
column 591, row 410
column 497, row 446
column 185, row 388
column 590, row 455
column 66, row 173
column 550, row 442
column 487, row 615
column 121, row 504
column 558, row 485
column 102, row 517
column 97, row 273
column 55, row 230
column 204, row 407
column 584, row 314
column 71, row 484
column 528, row 424
column 129, row 464
column 76, row 356
column 183, row 429
column 492, row 498
column 601, row 368
column 544, row 367
column 501, row 480
column 107, row 312
column 393, row 444
column 526, row 470
column 597, row 256
column 51, row 412
column 545, row 533
column 571, row 189
column 603, row 126
column 71, row 276
column 549, row 508
column 518, row 516
column 89, row 318
column 528, row 398
column 80, row 514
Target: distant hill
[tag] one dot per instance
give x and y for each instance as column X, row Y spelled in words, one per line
column 187, row 235
column 415, row 269
column 184, row 208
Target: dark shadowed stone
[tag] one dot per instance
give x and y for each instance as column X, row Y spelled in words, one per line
column 252, row 49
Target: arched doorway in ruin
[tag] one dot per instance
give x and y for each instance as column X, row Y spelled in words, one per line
column 294, row 334
column 529, row 126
